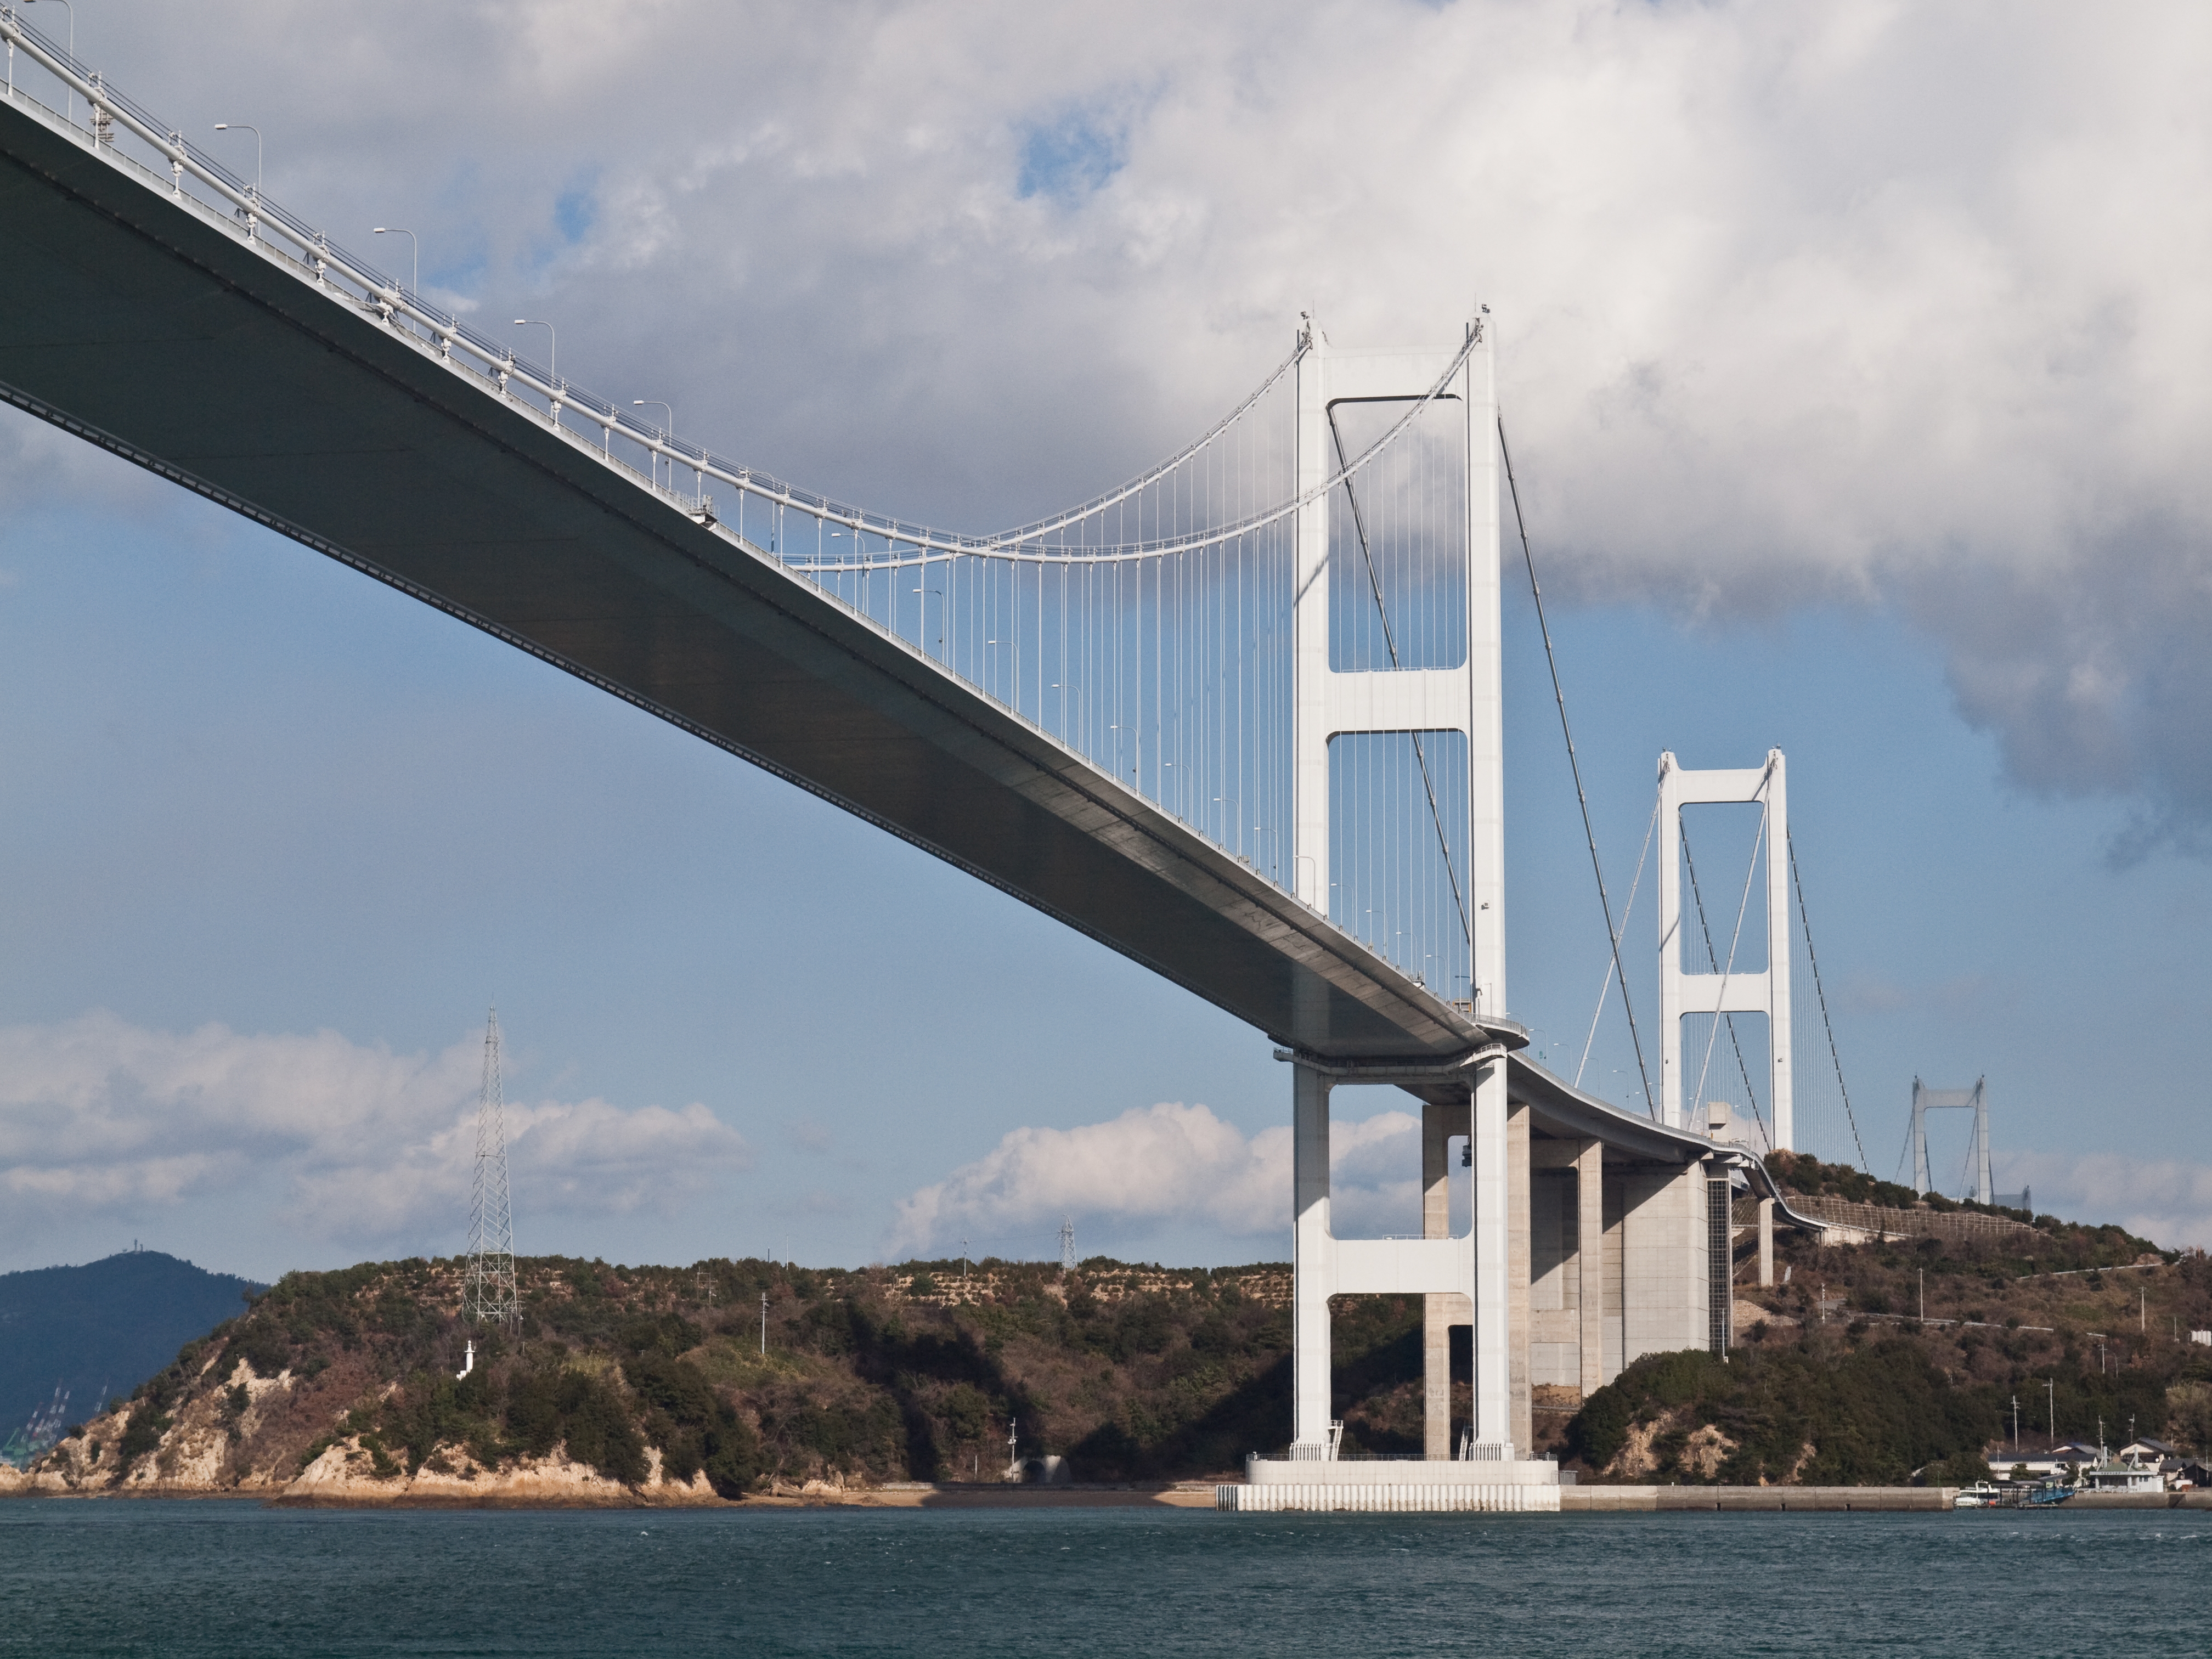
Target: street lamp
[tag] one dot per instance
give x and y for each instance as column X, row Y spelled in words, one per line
column 668, row 434
column 247, row 126
column 552, row 349
column 395, row 230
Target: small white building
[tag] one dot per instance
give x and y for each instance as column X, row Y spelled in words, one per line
column 2125, row 1477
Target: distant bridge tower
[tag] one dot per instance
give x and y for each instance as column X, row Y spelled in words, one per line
column 1731, row 990
column 1926, row 1100
column 488, row 1291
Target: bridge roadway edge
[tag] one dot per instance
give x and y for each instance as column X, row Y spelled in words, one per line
column 1202, row 939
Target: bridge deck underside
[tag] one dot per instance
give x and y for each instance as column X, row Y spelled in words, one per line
column 155, row 329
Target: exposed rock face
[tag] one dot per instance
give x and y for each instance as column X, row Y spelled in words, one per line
column 241, row 1435
column 1707, row 1449
column 346, row 1474
column 196, row 1459
column 1634, row 1460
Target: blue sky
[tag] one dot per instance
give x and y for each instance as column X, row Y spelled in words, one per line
column 276, row 835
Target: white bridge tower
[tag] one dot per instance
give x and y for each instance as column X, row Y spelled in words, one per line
column 1447, row 708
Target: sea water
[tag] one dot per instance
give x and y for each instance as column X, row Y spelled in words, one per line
column 188, row 1579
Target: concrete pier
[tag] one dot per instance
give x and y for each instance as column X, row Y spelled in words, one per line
column 1743, row 1499
column 1402, row 1486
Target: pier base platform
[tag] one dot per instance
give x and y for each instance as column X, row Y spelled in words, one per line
column 1399, row 1488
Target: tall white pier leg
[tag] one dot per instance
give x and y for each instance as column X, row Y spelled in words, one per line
column 1313, row 1259
column 1493, row 1382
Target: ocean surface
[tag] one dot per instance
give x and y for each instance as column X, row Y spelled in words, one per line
column 188, row 1579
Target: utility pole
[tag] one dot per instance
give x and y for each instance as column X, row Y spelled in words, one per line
column 963, row 1262
column 2051, row 1392
column 2016, row 1425
column 1923, row 1296
column 764, row 1324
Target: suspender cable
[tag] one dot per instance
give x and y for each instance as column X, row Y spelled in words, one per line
column 1613, row 963
column 1650, row 1101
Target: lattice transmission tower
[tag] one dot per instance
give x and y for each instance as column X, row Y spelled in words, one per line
column 489, row 1296
column 1066, row 1245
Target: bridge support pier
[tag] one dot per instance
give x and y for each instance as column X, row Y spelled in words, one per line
column 1313, row 1276
column 1441, row 1310
column 1676, row 1289
column 1480, row 1278
column 1589, row 1261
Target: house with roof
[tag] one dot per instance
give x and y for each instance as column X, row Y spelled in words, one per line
column 2050, row 1463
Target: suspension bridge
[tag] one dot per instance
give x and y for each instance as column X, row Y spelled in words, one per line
column 1238, row 718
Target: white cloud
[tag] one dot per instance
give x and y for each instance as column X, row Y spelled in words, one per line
column 2167, row 1200
column 366, row 1146
column 1167, row 1162
column 1865, row 302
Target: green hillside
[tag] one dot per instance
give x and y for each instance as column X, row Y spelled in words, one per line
column 1837, row 1379
column 1135, row 1372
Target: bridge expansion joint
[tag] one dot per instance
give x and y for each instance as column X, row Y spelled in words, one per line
column 1457, row 1068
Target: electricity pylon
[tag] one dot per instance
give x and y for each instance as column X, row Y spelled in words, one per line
column 489, row 1296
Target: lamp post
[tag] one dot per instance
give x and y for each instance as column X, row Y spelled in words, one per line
column 668, row 435
column 552, row 348
column 415, row 287
column 249, row 126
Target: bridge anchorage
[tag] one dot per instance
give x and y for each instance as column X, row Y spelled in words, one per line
column 1238, row 718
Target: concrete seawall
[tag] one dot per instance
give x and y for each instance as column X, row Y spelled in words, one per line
column 1588, row 1500
column 1747, row 1499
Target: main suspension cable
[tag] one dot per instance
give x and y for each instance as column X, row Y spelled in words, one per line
column 1559, row 697
column 1837, row 1059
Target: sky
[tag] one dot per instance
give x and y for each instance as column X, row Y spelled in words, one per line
column 1853, row 356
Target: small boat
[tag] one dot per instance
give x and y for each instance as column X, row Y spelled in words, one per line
column 1979, row 1496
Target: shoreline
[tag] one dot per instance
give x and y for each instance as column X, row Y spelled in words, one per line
column 1178, row 1495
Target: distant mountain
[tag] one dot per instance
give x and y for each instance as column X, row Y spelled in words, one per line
column 99, row 1330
